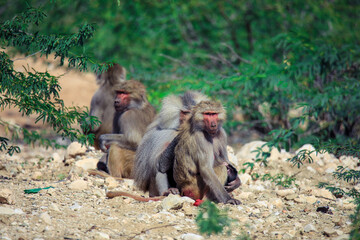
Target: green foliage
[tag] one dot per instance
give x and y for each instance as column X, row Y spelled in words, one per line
column 280, row 179
column 34, row 92
column 211, row 220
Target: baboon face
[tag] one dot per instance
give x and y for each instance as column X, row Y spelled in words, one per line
column 122, row 100
column 184, row 115
column 211, row 122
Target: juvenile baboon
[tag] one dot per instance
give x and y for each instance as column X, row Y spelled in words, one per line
column 102, row 103
column 133, row 114
column 161, row 132
column 200, row 165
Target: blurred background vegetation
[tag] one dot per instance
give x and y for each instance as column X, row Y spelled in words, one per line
column 288, row 69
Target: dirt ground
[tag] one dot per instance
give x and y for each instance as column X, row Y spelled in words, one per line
column 76, row 207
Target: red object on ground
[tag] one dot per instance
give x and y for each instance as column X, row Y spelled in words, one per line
column 198, row 202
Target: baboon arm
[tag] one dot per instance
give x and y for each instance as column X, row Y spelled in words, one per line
column 166, row 158
column 132, row 126
column 118, row 139
column 207, row 173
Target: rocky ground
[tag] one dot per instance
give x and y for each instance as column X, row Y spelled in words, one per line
column 77, row 208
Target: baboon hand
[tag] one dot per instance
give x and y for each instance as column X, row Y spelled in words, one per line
column 231, row 186
column 233, row 201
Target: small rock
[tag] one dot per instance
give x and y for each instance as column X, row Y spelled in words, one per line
column 285, row 192
column 74, row 149
column 277, row 202
column 101, row 235
column 78, row 185
column 342, row 237
column 245, row 178
column 311, row 169
column 245, row 195
column 45, row 217
column 338, row 221
column 75, row 206
column 56, row 157
column 174, row 202
column 88, row 163
column 10, row 211
column 111, row 182
column 6, row 196
column 310, row 199
column 191, row 236
column 54, row 207
column 309, row 228
column 190, row 210
column 290, row 197
column 329, row 232
column 36, row 175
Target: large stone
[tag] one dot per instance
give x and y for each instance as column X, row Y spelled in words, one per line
column 78, row 185
column 246, row 152
column 88, row 163
column 75, row 149
column 6, row 196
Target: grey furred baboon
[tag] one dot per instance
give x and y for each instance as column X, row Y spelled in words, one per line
column 102, row 102
column 133, row 115
column 160, row 133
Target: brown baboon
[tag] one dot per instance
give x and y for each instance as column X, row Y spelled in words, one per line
column 102, row 103
column 200, row 165
column 161, row 132
column 133, row 114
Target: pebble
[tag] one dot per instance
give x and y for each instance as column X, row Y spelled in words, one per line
column 56, row 157
column 54, row 207
column 323, row 193
column 309, row 228
column 36, row 175
column 191, row 236
column 111, row 182
column 74, row 149
column 10, row 211
column 245, row 195
column 88, row 163
column 245, row 178
column 78, row 185
column 101, row 235
column 285, row 192
column 174, row 202
column 45, row 217
column 7, row 196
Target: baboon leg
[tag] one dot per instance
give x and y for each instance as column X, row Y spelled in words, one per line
column 120, row 161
